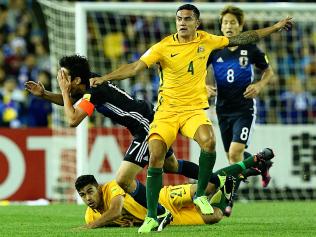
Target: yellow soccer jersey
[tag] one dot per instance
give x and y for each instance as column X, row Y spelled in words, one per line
column 182, row 69
column 132, row 211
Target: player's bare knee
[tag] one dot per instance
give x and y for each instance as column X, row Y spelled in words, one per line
column 235, row 156
column 156, row 158
column 208, row 145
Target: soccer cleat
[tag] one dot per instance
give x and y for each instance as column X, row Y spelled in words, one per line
column 164, row 220
column 227, row 188
column 222, row 180
column 265, row 173
column 204, row 205
column 228, row 191
column 148, row 225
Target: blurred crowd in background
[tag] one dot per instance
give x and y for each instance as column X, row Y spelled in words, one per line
column 24, row 55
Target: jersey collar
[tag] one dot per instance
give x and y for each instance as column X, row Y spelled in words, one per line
column 176, row 38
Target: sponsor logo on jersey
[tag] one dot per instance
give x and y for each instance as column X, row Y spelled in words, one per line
column 220, row 60
column 174, row 54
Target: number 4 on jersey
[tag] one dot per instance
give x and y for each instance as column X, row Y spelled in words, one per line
column 191, row 68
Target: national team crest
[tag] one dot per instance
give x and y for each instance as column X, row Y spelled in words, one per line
column 243, row 61
column 201, row 49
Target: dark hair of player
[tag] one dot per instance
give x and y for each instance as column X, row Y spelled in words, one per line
column 84, row 180
column 192, row 8
column 78, row 66
column 237, row 12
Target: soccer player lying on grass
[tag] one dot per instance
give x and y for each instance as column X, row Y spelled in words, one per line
column 109, row 205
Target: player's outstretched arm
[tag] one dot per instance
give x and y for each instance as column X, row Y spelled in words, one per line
column 113, row 213
column 123, row 72
column 253, row 36
column 38, row 90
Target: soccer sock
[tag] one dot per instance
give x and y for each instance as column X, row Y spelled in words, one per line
column 153, row 183
column 206, row 164
column 215, row 180
column 188, row 169
column 247, row 155
column 237, row 168
column 191, row 170
column 139, row 196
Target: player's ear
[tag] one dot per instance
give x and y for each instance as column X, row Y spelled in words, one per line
column 77, row 80
column 198, row 22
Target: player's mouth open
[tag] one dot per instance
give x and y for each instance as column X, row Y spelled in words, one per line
column 91, row 204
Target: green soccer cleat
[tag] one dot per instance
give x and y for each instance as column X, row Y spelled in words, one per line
column 204, row 205
column 222, row 180
column 148, row 225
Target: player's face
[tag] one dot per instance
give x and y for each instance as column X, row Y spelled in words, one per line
column 91, row 196
column 230, row 25
column 187, row 23
column 74, row 83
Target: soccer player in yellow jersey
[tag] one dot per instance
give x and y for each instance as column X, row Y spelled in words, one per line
column 110, row 205
column 182, row 99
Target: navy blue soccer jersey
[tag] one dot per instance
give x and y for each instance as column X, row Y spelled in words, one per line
column 233, row 72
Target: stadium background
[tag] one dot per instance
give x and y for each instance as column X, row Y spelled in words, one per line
column 38, row 151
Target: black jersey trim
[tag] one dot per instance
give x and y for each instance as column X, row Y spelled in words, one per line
column 135, row 115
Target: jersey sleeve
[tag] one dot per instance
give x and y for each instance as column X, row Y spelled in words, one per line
column 218, row 42
column 260, row 59
column 114, row 190
column 152, row 55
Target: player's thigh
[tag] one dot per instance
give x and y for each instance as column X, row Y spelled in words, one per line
column 243, row 128
column 190, row 122
column 128, row 171
column 226, row 130
column 166, row 125
column 236, row 152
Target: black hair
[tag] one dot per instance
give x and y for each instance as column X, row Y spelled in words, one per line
column 192, row 8
column 236, row 11
column 78, row 66
column 84, row 180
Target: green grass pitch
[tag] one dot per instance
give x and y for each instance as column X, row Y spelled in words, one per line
column 253, row 219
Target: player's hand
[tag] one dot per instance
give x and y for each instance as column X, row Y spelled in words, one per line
column 211, row 91
column 36, row 88
column 285, row 24
column 252, row 91
column 64, row 81
column 95, row 81
column 127, row 223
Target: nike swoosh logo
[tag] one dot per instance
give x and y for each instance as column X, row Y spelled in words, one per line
column 173, row 55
